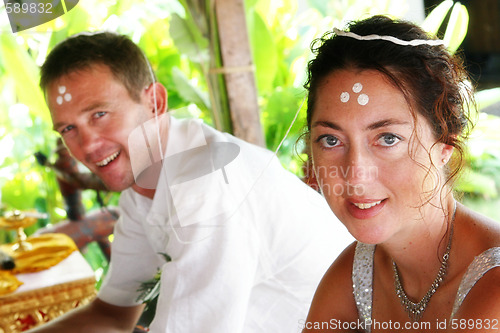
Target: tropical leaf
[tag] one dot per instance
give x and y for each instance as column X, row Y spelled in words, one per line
column 457, row 27
column 264, row 51
column 277, row 117
column 436, row 17
column 188, row 39
column 22, row 69
column 189, row 91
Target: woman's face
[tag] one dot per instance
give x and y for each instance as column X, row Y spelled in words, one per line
column 370, row 158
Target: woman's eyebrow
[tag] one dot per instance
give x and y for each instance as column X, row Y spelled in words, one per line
column 329, row 124
column 386, row 122
column 373, row 126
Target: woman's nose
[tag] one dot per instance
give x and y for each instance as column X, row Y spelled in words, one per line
column 359, row 166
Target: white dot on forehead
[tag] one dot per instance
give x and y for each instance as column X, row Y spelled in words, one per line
column 59, row 100
column 363, row 99
column 357, row 87
column 344, row 97
column 67, row 97
column 62, row 89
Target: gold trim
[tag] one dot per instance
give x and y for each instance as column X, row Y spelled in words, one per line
column 23, row 310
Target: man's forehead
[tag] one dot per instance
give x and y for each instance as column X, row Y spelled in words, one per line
column 89, row 76
column 89, row 69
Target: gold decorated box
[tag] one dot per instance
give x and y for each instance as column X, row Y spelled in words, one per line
column 47, row 294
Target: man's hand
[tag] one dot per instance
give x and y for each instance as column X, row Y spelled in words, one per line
column 95, row 317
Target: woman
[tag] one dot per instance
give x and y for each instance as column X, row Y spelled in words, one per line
column 387, row 122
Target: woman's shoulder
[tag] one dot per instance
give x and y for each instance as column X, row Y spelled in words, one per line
column 479, row 243
column 341, row 269
column 480, row 290
column 343, row 264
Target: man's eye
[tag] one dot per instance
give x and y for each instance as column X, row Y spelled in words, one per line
column 66, row 129
column 99, row 114
column 328, row 141
column 388, row 139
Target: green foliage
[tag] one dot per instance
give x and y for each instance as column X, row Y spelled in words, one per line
column 265, row 54
column 436, row 17
column 25, row 129
column 458, row 22
column 188, row 39
column 97, row 260
column 457, row 27
column 188, row 91
column 482, row 173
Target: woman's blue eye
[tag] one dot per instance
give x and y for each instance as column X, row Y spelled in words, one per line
column 328, row 141
column 99, row 114
column 389, row 139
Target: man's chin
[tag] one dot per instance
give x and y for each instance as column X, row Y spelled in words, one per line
column 117, row 187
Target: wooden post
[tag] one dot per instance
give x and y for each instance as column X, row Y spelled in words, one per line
column 238, row 70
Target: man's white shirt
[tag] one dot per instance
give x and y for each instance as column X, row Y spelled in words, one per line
column 249, row 241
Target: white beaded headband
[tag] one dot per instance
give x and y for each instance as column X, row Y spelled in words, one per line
column 392, row 39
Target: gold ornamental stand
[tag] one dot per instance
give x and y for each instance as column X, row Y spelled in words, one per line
column 17, row 220
column 48, row 293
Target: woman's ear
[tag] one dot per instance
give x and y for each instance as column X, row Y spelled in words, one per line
column 445, row 153
column 157, row 98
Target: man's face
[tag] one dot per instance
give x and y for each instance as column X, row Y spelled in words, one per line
column 95, row 114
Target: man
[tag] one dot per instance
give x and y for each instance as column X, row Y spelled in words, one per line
column 248, row 241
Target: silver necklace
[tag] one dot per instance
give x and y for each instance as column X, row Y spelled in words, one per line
column 416, row 310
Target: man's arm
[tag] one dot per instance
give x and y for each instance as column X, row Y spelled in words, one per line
column 96, row 317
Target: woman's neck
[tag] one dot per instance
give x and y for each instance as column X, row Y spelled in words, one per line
column 418, row 252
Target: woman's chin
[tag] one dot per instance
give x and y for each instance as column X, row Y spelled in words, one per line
column 367, row 235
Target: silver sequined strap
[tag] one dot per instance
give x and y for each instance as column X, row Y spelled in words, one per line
column 480, row 265
column 362, row 281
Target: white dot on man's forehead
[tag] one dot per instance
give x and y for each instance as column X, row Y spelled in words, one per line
column 59, row 100
column 62, row 89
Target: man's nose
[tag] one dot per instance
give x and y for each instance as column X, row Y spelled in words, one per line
column 89, row 140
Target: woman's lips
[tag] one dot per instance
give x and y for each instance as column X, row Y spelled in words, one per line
column 362, row 205
column 364, row 209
